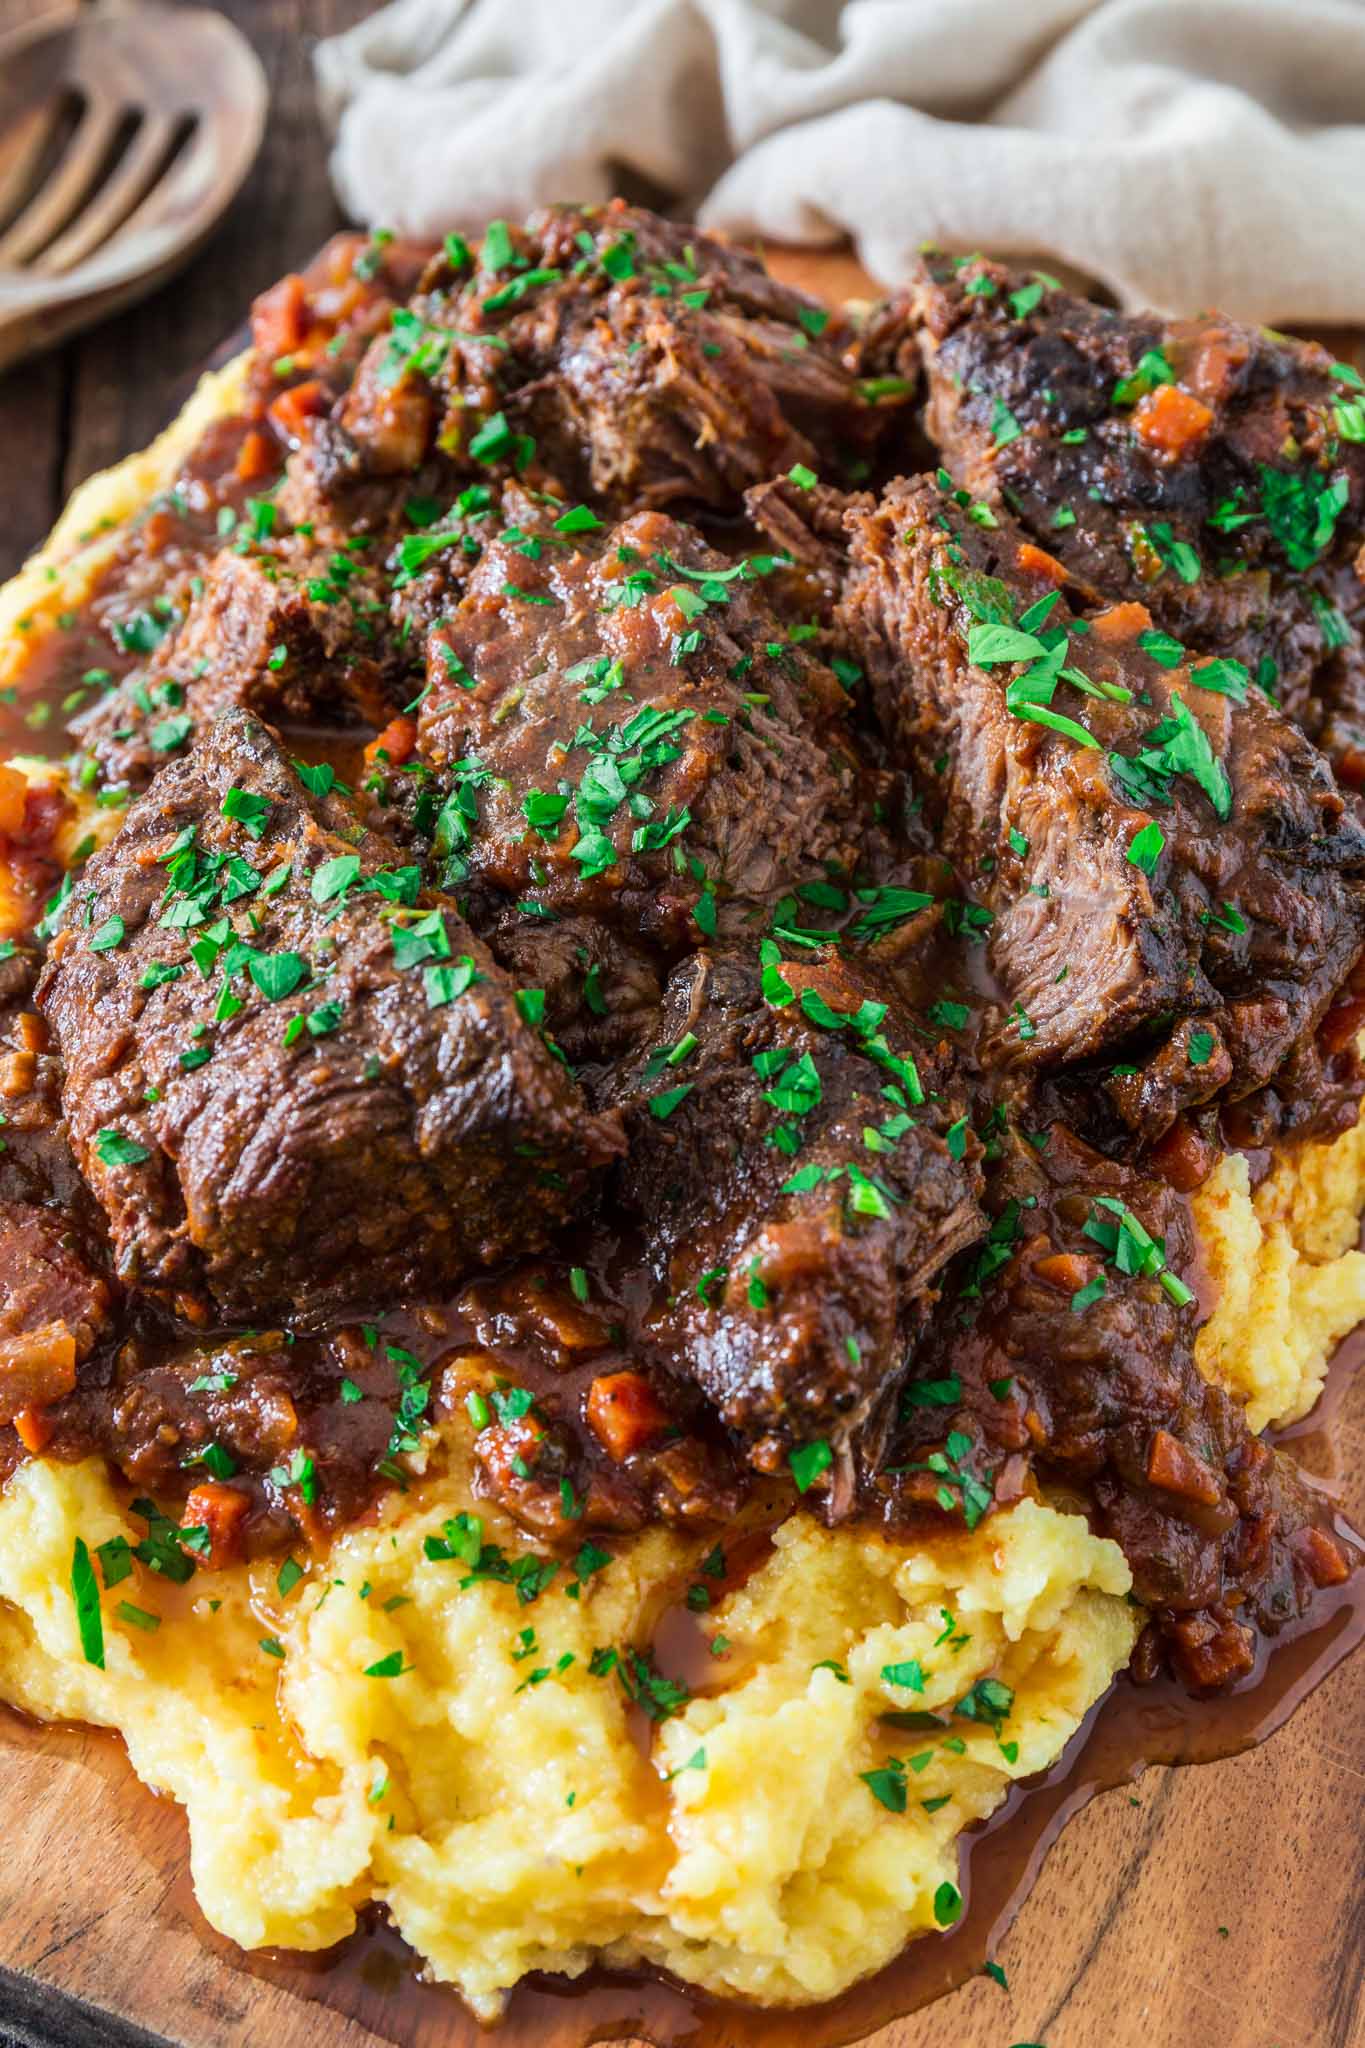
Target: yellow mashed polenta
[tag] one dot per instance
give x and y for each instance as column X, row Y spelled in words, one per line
column 373, row 1728
column 490, row 1790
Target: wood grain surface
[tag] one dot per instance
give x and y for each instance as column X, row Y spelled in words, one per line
column 1218, row 1907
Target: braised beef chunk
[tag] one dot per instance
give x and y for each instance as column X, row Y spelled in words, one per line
column 1069, row 1348
column 624, row 729
column 265, row 634
column 602, row 990
column 802, row 1169
column 1212, row 471
column 629, row 357
column 1171, row 876
column 294, row 1080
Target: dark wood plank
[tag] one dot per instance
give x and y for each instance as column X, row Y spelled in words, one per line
column 107, row 392
column 128, row 376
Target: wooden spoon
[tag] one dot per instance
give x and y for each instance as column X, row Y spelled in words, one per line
column 126, row 129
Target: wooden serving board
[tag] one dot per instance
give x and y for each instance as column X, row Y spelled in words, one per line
column 1216, row 1907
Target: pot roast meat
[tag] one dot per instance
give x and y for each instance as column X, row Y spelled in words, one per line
column 624, row 729
column 631, row 358
column 294, row 1081
column 1166, row 860
column 277, row 632
column 1213, row 471
column 801, row 1168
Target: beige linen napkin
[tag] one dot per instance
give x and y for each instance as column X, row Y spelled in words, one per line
column 1185, row 152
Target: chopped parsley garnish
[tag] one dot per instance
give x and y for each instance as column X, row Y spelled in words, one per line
column 887, row 1785
column 247, row 810
column 1131, row 1248
column 1176, row 745
column 1200, row 1048
column 1228, row 677
column 947, row 1904
column 659, row 1698
column 85, row 1593
column 808, row 1461
column 392, row 1666
column 1302, row 511
column 1153, row 369
column 1145, row 847
column 113, row 1149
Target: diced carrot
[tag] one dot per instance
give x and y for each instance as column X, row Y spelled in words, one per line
column 1038, row 562
column 280, row 317
column 290, row 413
column 625, row 1413
column 1067, row 1271
column 1121, row 622
column 1175, row 1468
column 397, row 742
column 34, row 1428
column 1171, row 422
column 36, row 1368
column 222, row 1510
column 256, row 457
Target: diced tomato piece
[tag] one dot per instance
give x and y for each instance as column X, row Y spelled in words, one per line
column 1214, row 364
column 1067, row 1271
column 290, row 413
column 1183, row 1158
column 1323, row 1557
column 625, row 1413
column 222, row 1510
column 280, row 317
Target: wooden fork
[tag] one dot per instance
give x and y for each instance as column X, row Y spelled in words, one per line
column 126, row 129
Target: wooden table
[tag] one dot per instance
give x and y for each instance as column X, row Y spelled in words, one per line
column 108, row 391
column 1217, row 1908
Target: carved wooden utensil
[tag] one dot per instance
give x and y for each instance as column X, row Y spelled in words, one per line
column 126, row 129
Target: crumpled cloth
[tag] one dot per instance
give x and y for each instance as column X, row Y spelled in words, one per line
column 1185, row 153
